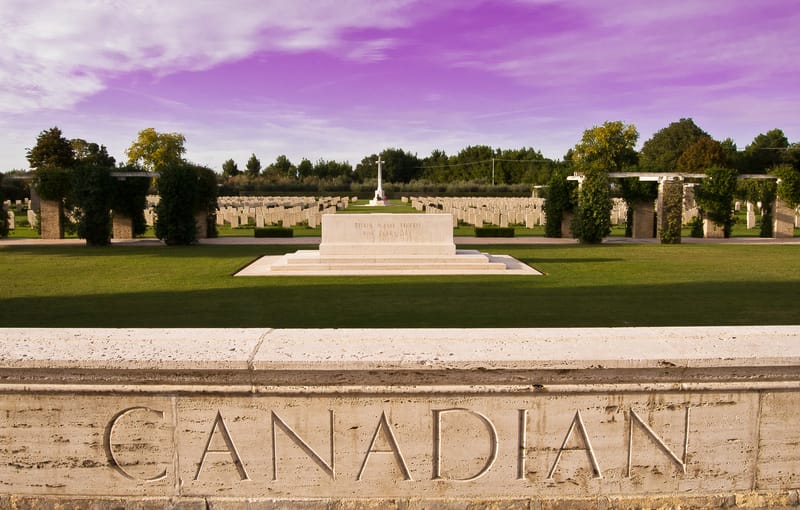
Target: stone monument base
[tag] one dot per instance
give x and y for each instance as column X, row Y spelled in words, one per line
column 386, row 244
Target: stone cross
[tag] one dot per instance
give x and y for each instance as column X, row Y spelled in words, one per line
column 379, row 190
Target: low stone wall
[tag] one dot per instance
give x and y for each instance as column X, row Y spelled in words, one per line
column 515, row 418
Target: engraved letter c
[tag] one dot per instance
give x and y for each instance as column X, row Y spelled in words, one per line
column 112, row 459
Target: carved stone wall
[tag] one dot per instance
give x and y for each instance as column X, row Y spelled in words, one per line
column 554, row 418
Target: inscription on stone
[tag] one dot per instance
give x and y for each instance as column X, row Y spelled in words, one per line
column 388, row 232
column 375, row 446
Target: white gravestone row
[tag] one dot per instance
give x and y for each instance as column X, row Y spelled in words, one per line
column 267, row 210
column 478, row 211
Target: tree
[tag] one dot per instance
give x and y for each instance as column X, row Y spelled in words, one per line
column 603, row 149
column 715, row 196
column 767, row 150
column 230, row 169
column 253, row 166
column 153, row 150
column 304, row 169
column 52, row 150
column 559, row 200
column 185, row 189
column 178, row 189
column 704, row 153
column 788, row 184
column 92, row 191
column 282, row 167
column 661, row 152
column 760, row 190
column 436, row 167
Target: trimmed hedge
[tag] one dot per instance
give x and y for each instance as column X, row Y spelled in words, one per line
column 273, row 232
column 494, row 232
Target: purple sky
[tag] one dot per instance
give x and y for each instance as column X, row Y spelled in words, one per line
column 343, row 79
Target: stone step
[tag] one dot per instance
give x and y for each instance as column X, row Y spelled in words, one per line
column 388, row 266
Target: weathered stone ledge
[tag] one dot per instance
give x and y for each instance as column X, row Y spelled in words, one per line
column 409, row 419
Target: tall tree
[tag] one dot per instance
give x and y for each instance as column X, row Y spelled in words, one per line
column 153, row 150
column 52, row 150
column 398, row 166
column 305, row 169
column 704, row 153
column 602, row 149
column 253, row 166
column 282, row 168
column 436, row 166
column 661, row 152
column 767, row 150
column 230, row 169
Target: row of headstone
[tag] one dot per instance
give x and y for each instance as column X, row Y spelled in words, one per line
column 502, row 212
column 478, row 211
column 286, row 211
column 267, row 210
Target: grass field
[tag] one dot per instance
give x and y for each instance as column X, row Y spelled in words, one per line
column 605, row 285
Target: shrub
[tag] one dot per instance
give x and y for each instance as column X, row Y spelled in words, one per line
column 273, row 232
column 557, row 201
column 697, row 227
column 789, row 185
column 91, row 191
column 715, row 196
column 672, row 209
column 592, row 221
column 178, row 188
column 494, row 232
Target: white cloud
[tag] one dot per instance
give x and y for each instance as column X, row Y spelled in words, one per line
column 54, row 53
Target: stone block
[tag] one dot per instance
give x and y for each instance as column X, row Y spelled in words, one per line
column 50, row 214
column 387, row 234
column 643, row 220
column 122, row 226
column 784, row 220
column 235, row 419
column 711, row 230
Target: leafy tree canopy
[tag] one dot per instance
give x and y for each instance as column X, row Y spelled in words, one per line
column 767, row 150
column 704, row 153
column 153, row 150
column 661, row 152
column 230, row 169
column 52, row 150
column 253, row 166
column 609, row 147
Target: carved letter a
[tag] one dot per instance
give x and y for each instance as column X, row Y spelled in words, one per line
column 219, row 424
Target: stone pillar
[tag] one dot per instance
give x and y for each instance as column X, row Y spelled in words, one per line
column 670, row 211
column 566, row 221
column 643, row 220
column 783, row 220
column 201, row 220
column 12, row 220
column 122, row 226
column 50, row 212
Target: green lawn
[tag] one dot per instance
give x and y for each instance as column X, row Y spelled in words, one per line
column 606, row 285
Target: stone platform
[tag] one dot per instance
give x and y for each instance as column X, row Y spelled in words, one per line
column 403, row 419
column 387, row 244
